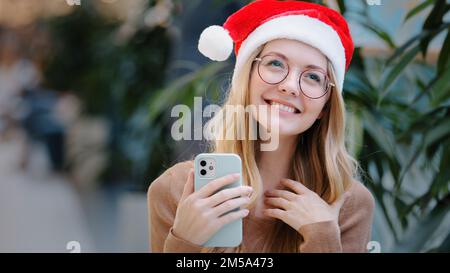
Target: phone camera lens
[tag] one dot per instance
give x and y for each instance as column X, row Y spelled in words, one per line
column 211, row 168
column 203, row 172
column 203, row 163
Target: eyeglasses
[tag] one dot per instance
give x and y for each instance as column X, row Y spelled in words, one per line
column 313, row 83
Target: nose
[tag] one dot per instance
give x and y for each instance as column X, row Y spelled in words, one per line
column 290, row 85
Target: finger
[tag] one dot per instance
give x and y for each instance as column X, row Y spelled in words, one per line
column 288, row 195
column 276, row 213
column 230, row 205
column 233, row 216
column 189, row 186
column 296, row 186
column 277, row 202
column 337, row 205
column 226, row 194
column 217, row 184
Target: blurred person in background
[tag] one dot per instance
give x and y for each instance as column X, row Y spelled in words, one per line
column 41, row 123
column 26, row 107
column 16, row 74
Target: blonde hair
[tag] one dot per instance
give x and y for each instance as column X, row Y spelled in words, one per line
column 321, row 159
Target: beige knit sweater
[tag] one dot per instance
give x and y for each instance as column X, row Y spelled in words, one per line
column 351, row 235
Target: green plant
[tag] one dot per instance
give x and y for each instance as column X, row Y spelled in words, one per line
column 113, row 77
column 403, row 144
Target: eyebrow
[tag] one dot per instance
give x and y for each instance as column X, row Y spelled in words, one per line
column 286, row 58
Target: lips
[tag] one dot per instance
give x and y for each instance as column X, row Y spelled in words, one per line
column 284, row 106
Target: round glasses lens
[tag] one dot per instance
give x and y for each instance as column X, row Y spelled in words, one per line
column 272, row 69
column 313, row 83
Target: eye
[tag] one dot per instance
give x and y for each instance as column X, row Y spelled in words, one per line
column 314, row 77
column 276, row 63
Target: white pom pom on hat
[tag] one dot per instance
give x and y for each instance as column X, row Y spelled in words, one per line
column 215, row 43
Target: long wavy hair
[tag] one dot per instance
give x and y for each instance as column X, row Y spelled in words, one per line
column 321, row 159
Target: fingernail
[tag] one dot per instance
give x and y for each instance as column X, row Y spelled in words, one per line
column 236, row 175
column 245, row 211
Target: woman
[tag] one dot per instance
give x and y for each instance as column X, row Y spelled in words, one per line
column 302, row 196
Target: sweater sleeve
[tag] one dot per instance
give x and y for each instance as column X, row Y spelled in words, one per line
column 354, row 229
column 162, row 198
column 356, row 219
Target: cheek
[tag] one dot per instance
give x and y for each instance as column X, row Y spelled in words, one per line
column 312, row 112
column 314, row 107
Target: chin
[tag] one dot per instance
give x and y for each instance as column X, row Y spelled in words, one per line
column 288, row 128
column 289, row 132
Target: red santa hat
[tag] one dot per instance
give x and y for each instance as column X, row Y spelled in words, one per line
column 264, row 20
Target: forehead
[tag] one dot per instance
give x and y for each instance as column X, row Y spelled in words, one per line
column 296, row 52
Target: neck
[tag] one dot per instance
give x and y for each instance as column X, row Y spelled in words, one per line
column 275, row 165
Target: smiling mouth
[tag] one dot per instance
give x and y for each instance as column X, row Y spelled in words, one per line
column 283, row 107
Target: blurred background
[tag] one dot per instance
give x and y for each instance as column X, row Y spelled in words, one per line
column 86, row 89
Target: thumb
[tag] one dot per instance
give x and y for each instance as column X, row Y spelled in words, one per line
column 189, row 186
column 337, row 205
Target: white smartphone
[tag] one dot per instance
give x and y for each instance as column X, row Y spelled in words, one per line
column 208, row 167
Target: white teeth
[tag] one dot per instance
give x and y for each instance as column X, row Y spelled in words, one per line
column 283, row 107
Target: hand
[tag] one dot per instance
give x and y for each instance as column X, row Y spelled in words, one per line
column 201, row 214
column 299, row 206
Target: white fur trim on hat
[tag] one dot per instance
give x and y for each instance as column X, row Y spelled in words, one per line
column 302, row 28
column 215, row 43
